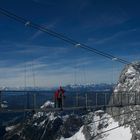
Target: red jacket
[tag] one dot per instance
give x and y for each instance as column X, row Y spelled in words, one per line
column 56, row 94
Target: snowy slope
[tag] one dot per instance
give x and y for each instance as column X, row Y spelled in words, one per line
column 61, row 126
column 47, row 104
column 95, row 128
column 106, row 123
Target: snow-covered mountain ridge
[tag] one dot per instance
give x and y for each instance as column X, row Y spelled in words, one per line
column 57, row 126
column 87, row 86
column 129, row 88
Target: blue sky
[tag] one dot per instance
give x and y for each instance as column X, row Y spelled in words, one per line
column 107, row 25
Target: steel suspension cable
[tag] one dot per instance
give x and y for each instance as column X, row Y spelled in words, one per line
column 60, row 36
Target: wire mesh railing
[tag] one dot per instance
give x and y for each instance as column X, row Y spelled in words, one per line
column 34, row 99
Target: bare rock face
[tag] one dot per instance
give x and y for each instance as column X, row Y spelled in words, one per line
column 127, row 90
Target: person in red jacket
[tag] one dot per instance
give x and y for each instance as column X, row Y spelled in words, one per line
column 56, row 98
column 61, row 96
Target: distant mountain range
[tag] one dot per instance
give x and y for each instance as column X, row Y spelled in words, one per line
column 91, row 87
column 70, row 87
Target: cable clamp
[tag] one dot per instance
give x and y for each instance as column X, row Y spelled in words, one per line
column 77, row 45
column 114, row 59
column 27, row 23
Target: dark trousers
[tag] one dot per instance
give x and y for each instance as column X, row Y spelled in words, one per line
column 60, row 102
column 55, row 103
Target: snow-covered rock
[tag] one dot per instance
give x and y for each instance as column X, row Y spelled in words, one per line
column 50, row 126
column 129, row 79
column 127, row 91
column 89, row 87
column 10, row 128
column 47, row 104
column 57, row 126
column 4, row 104
column 127, row 94
column 95, row 127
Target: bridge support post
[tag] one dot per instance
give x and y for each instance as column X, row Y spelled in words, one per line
column 77, row 99
column 96, row 98
column 113, row 98
column 28, row 100
column 0, row 99
column 86, row 96
column 105, row 103
column 34, row 101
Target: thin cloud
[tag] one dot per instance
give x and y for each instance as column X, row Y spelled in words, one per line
column 110, row 38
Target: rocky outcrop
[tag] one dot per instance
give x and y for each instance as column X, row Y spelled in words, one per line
column 42, row 126
column 127, row 95
column 127, row 90
column 57, row 126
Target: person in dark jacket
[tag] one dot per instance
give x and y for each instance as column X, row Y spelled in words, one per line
column 61, row 97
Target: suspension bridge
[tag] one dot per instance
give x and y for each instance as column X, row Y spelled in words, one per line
column 89, row 100
column 77, row 44
column 31, row 101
